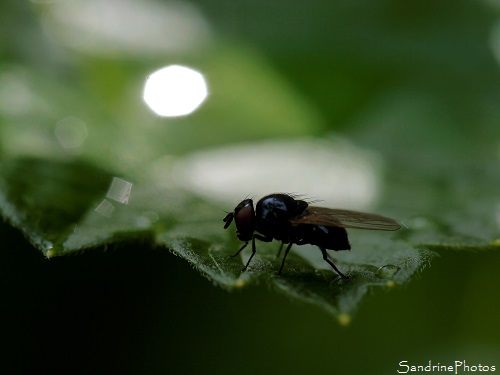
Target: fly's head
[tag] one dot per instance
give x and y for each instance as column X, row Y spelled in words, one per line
column 244, row 218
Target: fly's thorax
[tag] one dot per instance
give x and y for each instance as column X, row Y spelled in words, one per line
column 276, row 208
column 273, row 214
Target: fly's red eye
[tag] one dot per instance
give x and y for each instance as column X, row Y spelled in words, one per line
column 245, row 222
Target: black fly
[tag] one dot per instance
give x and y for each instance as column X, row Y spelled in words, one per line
column 292, row 221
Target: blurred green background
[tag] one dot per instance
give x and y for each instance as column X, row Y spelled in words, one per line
column 413, row 84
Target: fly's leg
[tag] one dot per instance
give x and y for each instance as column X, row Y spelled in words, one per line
column 284, row 257
column 251, row 256
column 325, row 257
column 258, row 236
column 240, row 250
column 281, row 248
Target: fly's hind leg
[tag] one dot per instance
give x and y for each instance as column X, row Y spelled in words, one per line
column 325, row 257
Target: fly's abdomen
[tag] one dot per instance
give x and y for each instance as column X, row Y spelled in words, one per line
column 331, row 238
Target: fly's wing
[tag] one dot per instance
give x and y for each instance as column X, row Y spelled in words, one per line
column 330, row 217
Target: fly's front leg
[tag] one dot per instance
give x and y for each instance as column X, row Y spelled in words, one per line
column 251, row 256
column 259, row 237
column 240, row 250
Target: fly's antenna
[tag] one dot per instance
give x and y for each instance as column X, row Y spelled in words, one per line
column 228, row 219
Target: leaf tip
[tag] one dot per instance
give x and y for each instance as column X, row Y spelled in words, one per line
column 50, row 253
column 390, row 284
column 239, row 283
column 344, row 319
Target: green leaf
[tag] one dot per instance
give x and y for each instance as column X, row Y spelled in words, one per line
column 56, row 205
column 306, row 276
